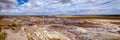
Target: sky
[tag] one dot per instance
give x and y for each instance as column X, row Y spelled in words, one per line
column 58, row 7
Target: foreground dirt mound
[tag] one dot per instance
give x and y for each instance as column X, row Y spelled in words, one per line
column 52, row 28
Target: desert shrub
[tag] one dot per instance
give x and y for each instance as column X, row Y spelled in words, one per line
column 1, row 26
column 3, row 35
column 1, row 18
column 14, row 24
column 0, row 29
column 11, row 25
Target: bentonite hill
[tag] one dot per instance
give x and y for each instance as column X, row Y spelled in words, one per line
column 56, row 28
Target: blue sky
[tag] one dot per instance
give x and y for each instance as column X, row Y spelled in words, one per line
column 68, row 7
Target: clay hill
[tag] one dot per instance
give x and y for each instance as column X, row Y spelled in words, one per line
column 57, row 28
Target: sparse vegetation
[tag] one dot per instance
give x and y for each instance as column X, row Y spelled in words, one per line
column 3, row 35
column 1, row 26
column 15, row 24
column 9, row 24
column 1, row 18
column 91, row 17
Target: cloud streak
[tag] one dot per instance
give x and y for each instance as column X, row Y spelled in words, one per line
column 7, row 3
column 70, row 7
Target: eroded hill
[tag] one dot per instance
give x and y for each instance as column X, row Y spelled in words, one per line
column 53, row 28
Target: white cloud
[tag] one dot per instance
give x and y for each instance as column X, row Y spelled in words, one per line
column 81, row 7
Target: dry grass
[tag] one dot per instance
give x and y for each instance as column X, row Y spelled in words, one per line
column 3, row 35
column 5, row 24
column 90, row 17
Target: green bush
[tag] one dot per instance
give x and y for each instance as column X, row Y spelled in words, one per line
column 3, row 35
